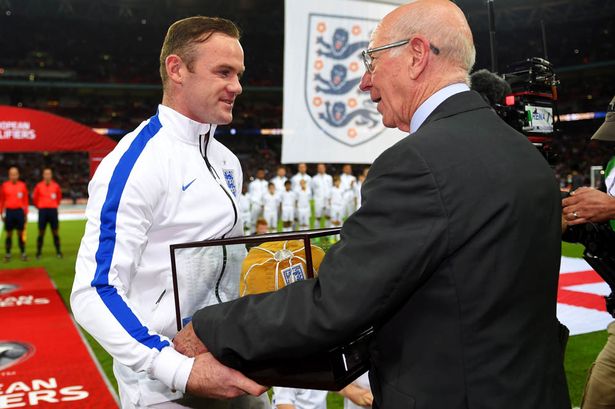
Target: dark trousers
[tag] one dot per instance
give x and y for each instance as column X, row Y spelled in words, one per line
column 15, row 220
column 47, row 216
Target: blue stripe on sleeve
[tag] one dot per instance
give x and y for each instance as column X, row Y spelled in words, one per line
column 108, row 218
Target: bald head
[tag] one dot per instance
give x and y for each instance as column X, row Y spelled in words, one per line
column 442, row 23
column 13, row 174
column 416, row 50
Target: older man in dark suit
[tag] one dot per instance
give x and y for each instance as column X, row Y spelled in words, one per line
column 453, row 256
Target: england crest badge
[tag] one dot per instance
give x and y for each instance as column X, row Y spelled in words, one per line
column 333, row 74
column 293, row 274
column 229, row 177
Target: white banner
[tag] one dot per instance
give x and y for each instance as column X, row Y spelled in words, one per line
column 326, row 117
column 580, row 297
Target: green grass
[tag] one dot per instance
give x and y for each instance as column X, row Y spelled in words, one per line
column 581, row 351
column 572, row 250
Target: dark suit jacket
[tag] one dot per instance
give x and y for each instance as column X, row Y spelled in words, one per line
column 453, row 257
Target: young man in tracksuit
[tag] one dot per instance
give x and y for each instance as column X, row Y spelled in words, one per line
column 169, row 181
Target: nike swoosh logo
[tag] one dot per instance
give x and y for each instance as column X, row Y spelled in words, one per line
column 184, row 187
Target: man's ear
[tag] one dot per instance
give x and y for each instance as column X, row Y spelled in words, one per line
column 174, row 64
column 418, row 47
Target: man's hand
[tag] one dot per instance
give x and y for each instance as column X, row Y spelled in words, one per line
column 588, row 205
column 186, row 342
column 358, row 396
column 209, row 378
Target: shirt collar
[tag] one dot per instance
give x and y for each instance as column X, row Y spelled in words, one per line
column 431, row 103
column 184, row 128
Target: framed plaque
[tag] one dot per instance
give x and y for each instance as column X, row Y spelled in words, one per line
column 213, row 271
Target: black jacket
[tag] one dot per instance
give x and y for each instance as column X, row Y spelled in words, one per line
column 453, row 257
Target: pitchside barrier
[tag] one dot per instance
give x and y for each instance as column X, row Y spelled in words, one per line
column 44, row 361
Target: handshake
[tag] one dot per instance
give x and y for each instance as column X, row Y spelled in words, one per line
column 209, row 377
column 267, row 267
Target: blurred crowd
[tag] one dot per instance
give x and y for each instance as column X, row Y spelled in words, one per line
column 576, row 154
column 112, row 64
column 70, row 170
column 106, row 51
column 574, row 157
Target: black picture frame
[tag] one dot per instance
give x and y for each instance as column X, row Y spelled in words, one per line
column 330, row 369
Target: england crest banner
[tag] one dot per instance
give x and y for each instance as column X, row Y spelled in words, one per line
column 326, row 117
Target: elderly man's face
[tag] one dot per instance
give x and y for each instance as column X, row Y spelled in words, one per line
column 388, row 82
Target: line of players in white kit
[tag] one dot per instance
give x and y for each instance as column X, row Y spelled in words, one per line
column 263, row 202
column 335, row 198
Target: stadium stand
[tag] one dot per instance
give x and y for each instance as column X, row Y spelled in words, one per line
column 101, row 67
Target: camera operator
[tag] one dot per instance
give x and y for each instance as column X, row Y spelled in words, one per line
column 587, row 205
column 590, row 205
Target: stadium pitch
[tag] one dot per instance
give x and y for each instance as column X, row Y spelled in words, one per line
column 580, row 353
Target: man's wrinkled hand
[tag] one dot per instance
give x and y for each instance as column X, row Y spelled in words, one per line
column 588, row 205
column 187, row 343
column 209, row 378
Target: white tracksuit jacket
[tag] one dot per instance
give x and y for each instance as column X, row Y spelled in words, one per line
column 155, row 189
